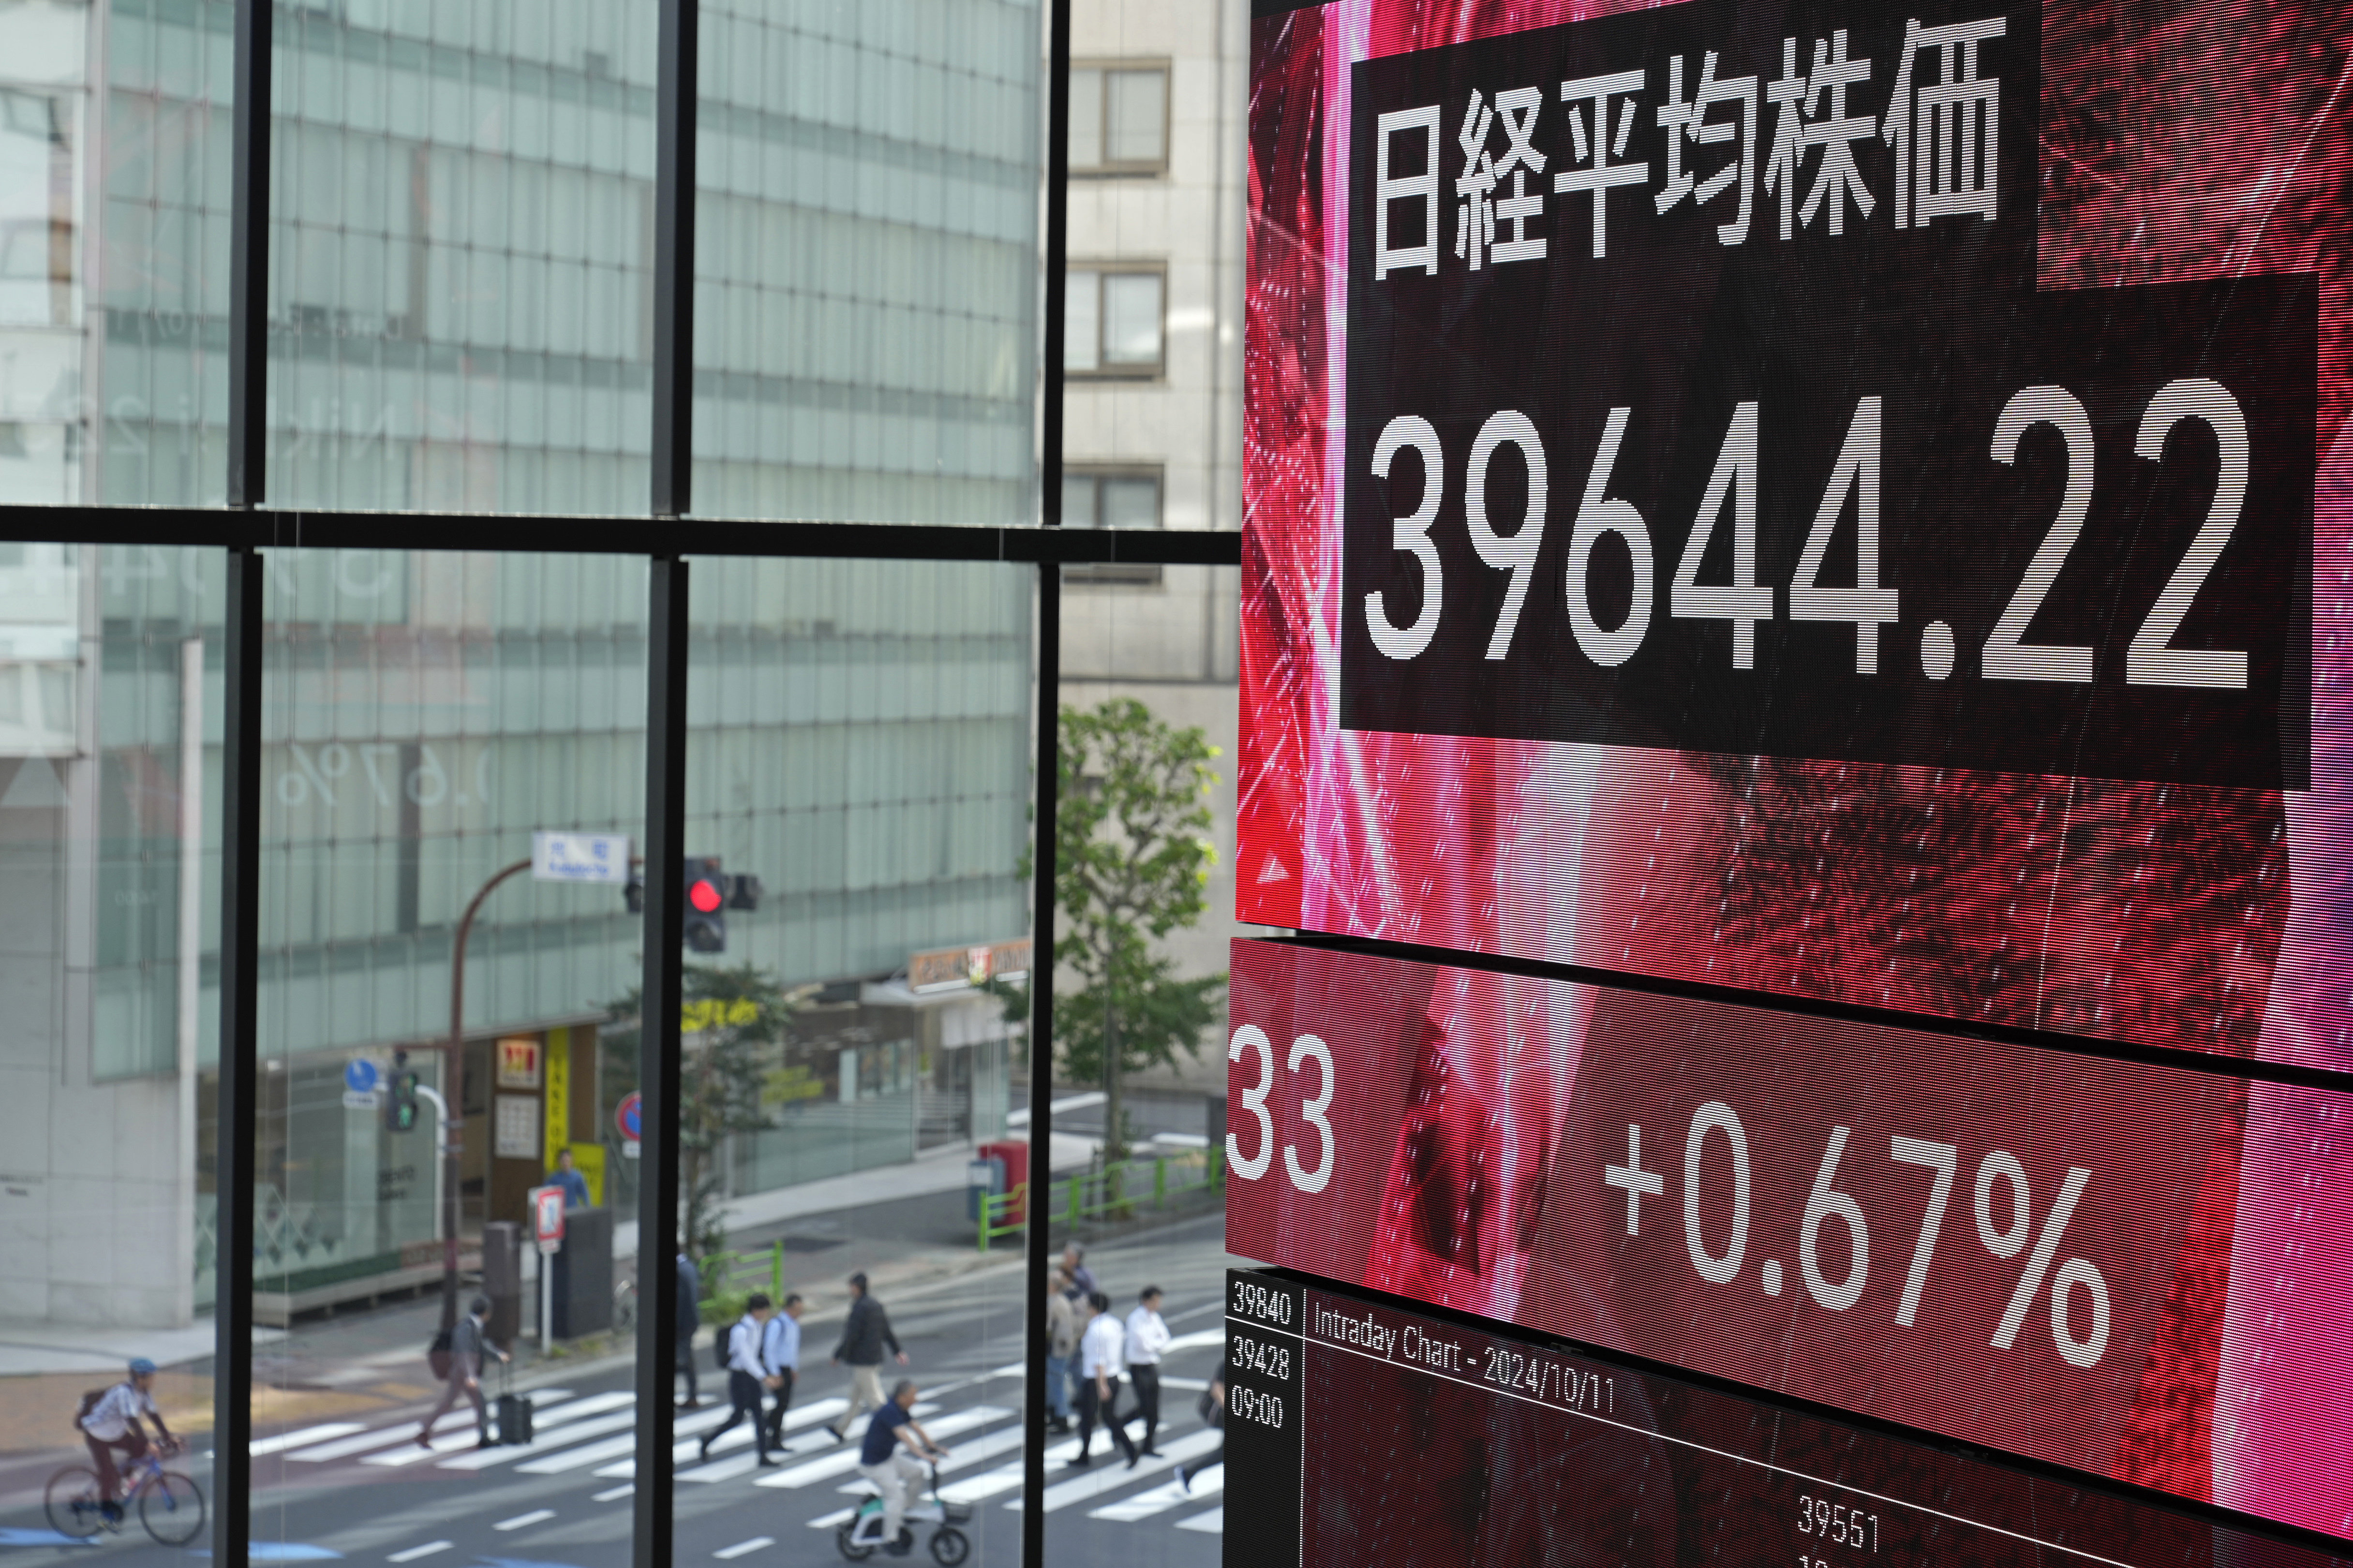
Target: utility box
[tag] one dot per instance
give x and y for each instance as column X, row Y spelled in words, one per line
column 502, row 1281
column 583, row 1274
column 1015, row 1157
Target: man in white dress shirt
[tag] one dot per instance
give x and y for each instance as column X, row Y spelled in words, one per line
column 1100, row 1356
column 782, row 1354
column 1148, row 1342
column 747, row 1376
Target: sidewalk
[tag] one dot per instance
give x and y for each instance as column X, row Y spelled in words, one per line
column 939, row 1171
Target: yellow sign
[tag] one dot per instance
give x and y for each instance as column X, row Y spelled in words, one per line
column 558, row 1101
column 518, row 1062
column 697, row 1017
column 590, row 1159
column 787, row 1084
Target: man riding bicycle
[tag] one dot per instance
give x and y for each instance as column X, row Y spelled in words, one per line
column 111, row 1423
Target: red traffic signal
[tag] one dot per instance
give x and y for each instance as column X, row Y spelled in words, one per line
column 704, row 928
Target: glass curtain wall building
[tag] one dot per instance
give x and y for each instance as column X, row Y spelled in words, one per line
column 461, row 319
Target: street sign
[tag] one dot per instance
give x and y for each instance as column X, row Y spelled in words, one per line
column 547, row 1217
column 589, row 857
column 361, row 1089
column 628, row 1116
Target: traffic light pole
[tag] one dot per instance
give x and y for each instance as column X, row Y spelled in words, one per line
column 456, row 1077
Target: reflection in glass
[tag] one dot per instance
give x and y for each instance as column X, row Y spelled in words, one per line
column 109, row 862
column 460, row 315
column 861, row 745
column 866, row 261
column 424, row 717
column 113, row 253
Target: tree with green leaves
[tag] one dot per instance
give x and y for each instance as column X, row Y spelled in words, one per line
column 733, row 1025
column 1132, row 858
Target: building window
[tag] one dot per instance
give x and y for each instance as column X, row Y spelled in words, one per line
column 1112, row 319
column 1111, row 498
column 1119, row 119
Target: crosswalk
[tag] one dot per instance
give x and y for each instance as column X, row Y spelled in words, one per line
column 592, row 1437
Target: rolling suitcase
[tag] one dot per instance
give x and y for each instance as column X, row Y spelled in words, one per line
column 513, row 1414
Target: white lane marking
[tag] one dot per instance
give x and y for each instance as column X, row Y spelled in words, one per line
column 683, row 1451
column 414, row 1552
column 306, row 1434
column 520, row 1520
column 542, row 1442
column 1004, row 1478
column 728, row 1554
column 1114, row 1473
column 1210, row 1523
column 614, row 1494
column 835, row 1464
column 1189, row 1385
column 744, row 1464
column 462, row 1438
column 1198, row 1339
column 1161, row 1498
column 965, row 1456
column 382, row 1437
column 833, row 1521
column 408, row 1454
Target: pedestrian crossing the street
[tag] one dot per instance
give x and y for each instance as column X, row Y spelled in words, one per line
column 592, row 1437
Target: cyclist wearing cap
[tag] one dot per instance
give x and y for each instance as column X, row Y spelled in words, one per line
column 112, row 1423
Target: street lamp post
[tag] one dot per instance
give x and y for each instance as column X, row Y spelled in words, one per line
column 456, row 1077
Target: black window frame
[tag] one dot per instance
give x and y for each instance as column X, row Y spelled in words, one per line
column 666, row 535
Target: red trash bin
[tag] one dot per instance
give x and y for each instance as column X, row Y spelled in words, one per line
column 1017, row 1175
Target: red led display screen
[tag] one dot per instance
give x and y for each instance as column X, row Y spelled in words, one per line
column 2134, row 1270
column 1829, row 498
column 1358, row 1432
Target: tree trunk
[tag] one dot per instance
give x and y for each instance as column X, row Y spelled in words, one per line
column 1114, row 1105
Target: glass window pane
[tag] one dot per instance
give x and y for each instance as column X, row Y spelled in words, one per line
column 1131, row 502
column 1135, row 115
column 1082, row 320
column 861, row 744
column 1078, row 500
column 1086, row 117
column 423, row 716
column 1132, row 318
column 868, row 182
column 462, row 234
column 114, row 255
column 109, row 812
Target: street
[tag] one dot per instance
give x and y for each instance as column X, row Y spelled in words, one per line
column 360, row 1489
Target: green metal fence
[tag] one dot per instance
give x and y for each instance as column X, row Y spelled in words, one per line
column 1117, row 1189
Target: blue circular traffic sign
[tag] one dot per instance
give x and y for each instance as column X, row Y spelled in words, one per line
column 629, row 1116
column 359, row 1076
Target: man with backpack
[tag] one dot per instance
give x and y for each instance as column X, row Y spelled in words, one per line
column 748, row 1377
column 108, row 1420
column 468, row 1345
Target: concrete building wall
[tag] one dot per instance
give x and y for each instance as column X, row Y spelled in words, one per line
column 1172, row 643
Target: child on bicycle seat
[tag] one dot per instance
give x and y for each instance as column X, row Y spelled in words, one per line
column 112, row 1423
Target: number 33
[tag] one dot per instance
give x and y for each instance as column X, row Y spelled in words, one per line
column 1306, row 1047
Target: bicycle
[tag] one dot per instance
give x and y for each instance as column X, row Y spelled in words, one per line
column 171, row 1506
column 861, row 1536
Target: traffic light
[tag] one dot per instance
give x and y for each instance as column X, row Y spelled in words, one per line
column 400, row 1096
column 706, row 905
